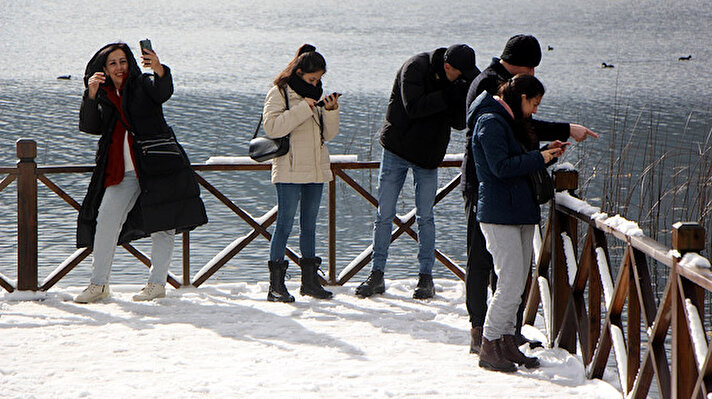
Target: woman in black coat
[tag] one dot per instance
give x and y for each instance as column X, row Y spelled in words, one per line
column 143, row 183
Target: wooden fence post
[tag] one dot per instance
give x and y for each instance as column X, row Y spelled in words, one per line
column 686, row 237
column 564, row 180
column 26, row 215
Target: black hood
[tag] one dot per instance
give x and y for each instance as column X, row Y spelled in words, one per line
column 486, row 104
column 96, row 64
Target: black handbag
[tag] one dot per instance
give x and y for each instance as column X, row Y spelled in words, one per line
column 160, row 156
column 264, row 148
column 541, row 184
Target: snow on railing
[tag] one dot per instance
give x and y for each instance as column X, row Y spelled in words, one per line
column 694, row 260
column 621, row 355
column 545, row 294
column 249, row 161
column 605, row 273
column 571, row 266
column 697, row 333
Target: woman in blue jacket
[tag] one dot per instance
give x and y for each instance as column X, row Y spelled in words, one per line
column 506, row 210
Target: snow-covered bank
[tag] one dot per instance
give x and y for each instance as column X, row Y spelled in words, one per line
column 227, row 341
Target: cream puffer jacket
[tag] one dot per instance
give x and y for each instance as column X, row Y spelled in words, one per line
column 308, row 159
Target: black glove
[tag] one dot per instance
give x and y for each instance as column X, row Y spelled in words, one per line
column 456, row 92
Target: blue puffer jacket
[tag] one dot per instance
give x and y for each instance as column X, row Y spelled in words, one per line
column 502, row 166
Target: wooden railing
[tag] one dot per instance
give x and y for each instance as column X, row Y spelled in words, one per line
column 570, row 285
column 28, row 173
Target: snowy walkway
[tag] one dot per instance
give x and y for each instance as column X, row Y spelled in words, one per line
column 227, row 341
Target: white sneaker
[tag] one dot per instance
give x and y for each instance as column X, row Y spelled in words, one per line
column 151, row 291
column 93, row 293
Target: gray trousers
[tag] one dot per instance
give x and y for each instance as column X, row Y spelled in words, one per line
column 511, row 249
column 115, row 206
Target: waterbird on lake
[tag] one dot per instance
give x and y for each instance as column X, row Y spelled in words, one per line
column 604, row 65
column 64, row 77
column 549, row 48
column 689, row 57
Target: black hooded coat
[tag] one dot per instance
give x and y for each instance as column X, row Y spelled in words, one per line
column 419, row 115
column 170, row 195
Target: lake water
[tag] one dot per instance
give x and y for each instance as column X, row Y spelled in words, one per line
column 224, row 55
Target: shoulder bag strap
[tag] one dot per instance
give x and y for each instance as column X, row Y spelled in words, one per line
column 286, row 100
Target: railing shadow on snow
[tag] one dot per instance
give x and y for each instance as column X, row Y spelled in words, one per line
column 585, row 309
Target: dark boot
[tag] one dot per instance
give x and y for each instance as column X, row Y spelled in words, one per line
column 425, row 288
column 491, row 357
column 511, row 352
column 475, row 339
column 521, row 340
column 374, row 284
column 310, row 280
column 277, row 290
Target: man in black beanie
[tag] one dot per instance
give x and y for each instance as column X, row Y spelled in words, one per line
column 521, row 55
column 428, row 98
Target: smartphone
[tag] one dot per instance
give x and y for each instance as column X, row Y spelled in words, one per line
column 321, row 103
column 145, row 45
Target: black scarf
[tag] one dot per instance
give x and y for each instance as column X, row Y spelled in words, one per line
column 304, row 89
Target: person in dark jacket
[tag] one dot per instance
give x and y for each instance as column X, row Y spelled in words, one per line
column 506, row 209
column 142, row 184
column 427, row 100
column 521, row 55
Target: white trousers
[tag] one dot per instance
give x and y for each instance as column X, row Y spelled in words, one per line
column 115, row 206
column 511, row 249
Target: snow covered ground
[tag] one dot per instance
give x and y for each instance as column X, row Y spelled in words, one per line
column 227, row 341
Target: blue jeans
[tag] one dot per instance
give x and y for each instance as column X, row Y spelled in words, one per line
column 288, row 195
column 115, row 206
column 390, row 182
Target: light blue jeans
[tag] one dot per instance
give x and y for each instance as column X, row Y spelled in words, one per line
column 288, row 196
column 115, row 206
column 391, row 177
column 511, row 249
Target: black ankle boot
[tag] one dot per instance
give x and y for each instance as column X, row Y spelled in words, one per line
column 310, row 280
column 374, row 284
column 476, row 339
column 425, row 288
column 277, row 290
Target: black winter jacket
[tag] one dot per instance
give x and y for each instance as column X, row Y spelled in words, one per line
column 419, row 114
column 170, row 195
column 489, row 80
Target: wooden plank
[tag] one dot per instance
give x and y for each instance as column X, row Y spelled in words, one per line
column 57, row 190
column 7, row 181
column 26, row 216
column 66, row 266
column 633, row 326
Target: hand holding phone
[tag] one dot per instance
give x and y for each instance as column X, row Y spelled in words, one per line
column 335, row 95
column 145, row 45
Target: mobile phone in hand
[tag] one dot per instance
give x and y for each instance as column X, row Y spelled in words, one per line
column 145, row 45
column 321, row 102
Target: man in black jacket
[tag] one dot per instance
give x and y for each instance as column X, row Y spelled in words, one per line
column 521, row 55
column 428, row 98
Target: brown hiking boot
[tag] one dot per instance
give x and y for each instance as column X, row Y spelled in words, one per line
column 491, row 357
column 475, row 339
column 511, row 352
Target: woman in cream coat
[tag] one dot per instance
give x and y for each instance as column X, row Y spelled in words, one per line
column 292, row 107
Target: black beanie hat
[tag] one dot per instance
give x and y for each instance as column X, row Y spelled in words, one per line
column 462, row 58
column 522, row 50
